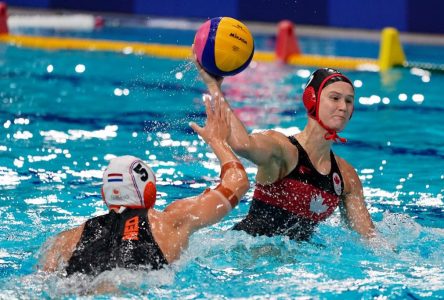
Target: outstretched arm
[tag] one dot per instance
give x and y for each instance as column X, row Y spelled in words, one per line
column 213, row 204
column 353, row 208
column 258, row 148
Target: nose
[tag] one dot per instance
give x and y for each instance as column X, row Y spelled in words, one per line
column 342, row 105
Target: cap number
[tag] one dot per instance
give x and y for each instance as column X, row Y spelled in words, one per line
column 142, row 171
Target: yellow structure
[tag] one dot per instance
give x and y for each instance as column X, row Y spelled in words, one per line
column 57, row 43
column 171, row 51
column 390, row 50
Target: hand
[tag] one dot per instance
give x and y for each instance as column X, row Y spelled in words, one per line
column 216, row 127
column 210, row 80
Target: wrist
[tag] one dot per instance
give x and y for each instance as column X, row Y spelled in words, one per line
column 218, row 143
column 213, row 86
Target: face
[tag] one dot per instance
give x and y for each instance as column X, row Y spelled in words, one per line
column 336, row 106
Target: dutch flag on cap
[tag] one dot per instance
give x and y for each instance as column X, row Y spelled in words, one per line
column 115, row 177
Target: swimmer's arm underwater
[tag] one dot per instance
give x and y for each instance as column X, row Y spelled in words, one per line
column 61, row 249
column 353, row 207
column 355, row 213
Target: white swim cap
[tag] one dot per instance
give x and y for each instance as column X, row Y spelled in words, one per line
column 128, row 182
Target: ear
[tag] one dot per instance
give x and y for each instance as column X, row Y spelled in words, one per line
column 309, row 99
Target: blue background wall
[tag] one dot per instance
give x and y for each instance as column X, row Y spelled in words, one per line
column 424, row 16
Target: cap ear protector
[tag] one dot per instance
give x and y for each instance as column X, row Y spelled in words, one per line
column 149, row 194
column 309, row 99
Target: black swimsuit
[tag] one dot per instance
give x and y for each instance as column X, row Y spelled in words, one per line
column 295, row 204
column 116, row 240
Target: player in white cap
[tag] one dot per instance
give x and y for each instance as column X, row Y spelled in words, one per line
column 134, row 234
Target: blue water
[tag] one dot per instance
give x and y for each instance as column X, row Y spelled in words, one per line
column 59, row 128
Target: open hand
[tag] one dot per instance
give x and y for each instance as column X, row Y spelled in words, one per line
column 216, row 127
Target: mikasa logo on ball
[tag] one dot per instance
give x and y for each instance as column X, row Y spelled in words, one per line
column 238, row 37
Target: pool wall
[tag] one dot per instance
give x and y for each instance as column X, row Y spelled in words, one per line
column 422, row 16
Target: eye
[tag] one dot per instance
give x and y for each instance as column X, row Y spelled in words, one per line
column 349, row 100
column 335, row 97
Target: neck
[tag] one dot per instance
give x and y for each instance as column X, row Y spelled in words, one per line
column 313, row 140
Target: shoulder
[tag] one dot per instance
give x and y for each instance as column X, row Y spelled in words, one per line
column 71, row 236
column 60, row 248
column 344, row 166
column 349, row 175
column 279, row 136
column 282, row 141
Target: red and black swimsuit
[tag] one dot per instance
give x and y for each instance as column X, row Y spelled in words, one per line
column 293, row 205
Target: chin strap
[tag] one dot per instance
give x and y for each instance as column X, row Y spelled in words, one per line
column 331, row 134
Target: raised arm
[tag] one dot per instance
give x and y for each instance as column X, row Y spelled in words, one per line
column 258, row 148
column 213, row 204
column 353, row 208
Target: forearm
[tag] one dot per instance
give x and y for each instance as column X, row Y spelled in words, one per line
column 214, row 88
column 223, row 152
column 239, row 139
column 365, row 228
column 215, row 203
column 233, row 175
column 233, row 179
column 357, row 216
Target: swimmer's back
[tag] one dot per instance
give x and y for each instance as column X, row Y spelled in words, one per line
column 116, row 240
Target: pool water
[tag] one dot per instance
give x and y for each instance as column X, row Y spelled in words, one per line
column 64, row 114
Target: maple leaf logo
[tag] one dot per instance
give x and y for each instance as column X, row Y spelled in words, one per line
column 317, row 205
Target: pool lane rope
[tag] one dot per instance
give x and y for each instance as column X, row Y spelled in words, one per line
column 287, row 49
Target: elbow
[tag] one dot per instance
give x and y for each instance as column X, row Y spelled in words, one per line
column 244, row 184
column 241, row 148
column 237, row 181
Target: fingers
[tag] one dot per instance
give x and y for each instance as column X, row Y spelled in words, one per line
column 208, row 109
column 225, row 111
column 217, row 111
column 196, row 127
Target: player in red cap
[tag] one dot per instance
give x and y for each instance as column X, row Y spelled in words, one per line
column 300, row 181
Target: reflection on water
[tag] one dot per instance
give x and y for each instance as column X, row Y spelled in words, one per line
column 218, row 259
